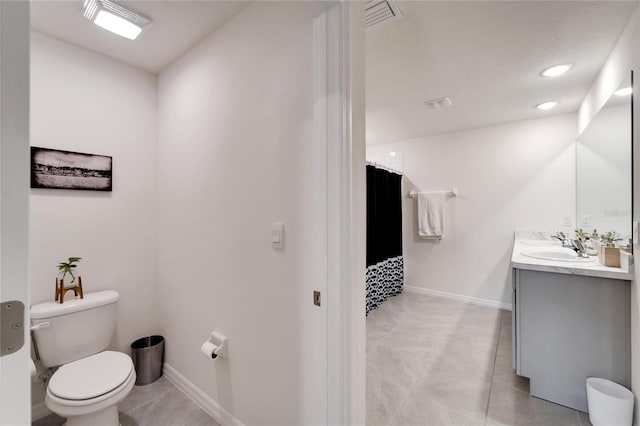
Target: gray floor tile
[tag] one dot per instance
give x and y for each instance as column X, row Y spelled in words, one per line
column 157, row 404
column 508, row 406
column 474, row 340
column 384, row 397
column 50, row 420
column 400, row 366
column 584, row 419
column 464, row 358
column 467, row 374
column 141, row 395
column 170, row 408
column 418, row 411
column 466, row 392
column 504, row 374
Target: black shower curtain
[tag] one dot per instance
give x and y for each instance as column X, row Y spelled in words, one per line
column 385, row 268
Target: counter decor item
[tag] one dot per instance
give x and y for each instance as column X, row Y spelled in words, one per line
column 75, row 285
column 609, row 253
column 591, row 247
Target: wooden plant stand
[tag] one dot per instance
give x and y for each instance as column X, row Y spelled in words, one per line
column 61, row 290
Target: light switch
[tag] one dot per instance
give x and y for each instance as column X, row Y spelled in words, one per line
column 586, row 220
column 567, row 220
column 277, row 235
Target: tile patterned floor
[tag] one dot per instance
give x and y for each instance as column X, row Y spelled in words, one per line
column 436, row 361
column 157, row 404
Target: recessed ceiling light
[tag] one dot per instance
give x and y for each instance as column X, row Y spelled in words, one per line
column 115, row 17
column 392, row 154
column 625, row 91
column 547, row 105
column 556, row 70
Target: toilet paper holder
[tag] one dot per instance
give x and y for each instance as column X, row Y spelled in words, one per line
column 216, row 346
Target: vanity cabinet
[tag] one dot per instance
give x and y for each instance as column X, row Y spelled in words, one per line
column 567, row 328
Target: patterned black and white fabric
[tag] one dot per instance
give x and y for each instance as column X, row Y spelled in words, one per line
column 384, row 280
column 385, row 265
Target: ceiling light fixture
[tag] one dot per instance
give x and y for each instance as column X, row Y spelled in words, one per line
column 556, row 70
column 392, row 154
column 625, row 91
column 115, row 17
column 547, row 105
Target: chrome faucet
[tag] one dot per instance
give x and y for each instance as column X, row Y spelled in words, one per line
column 571, row 243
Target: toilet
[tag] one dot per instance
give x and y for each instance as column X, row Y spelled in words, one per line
column 90, row 380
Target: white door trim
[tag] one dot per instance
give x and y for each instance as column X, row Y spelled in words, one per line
column 15, row 392
column 340, row 160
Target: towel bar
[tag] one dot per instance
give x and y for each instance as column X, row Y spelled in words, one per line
column 452, row 193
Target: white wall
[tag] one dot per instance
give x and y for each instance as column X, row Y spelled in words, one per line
column 234, row 155
column 82, row 101
column 624, row 58
column 515, row 176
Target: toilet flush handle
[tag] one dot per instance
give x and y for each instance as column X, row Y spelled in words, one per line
column 41, row 325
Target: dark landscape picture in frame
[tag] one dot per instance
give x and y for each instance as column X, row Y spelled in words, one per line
column 52, row 168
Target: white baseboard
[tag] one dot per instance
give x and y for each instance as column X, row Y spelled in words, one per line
column 39, row 411
column 214, row 409
column 469, row 299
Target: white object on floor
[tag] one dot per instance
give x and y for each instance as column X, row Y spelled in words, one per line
column 431, row 214
column 90, row 382
column 609, row 403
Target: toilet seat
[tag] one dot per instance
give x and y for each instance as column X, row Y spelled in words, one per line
column 91, row 377
column 114, row 363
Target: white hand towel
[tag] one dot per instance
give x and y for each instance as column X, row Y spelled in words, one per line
column 431, row 214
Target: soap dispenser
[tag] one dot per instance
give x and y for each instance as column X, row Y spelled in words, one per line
column 593, row 244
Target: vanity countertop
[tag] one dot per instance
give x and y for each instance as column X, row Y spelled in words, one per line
column 533, row 241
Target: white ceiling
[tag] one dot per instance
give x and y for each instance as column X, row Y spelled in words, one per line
column 486, row 56
column 177, row 26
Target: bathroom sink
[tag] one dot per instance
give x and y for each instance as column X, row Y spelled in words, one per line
column 565, row 255
column 540, row 243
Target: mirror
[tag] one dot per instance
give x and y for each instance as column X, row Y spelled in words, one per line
column 604, row 167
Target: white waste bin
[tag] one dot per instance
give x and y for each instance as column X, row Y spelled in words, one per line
column 610, row 404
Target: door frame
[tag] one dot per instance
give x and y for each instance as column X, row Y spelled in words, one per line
column 339, row 104
column 15, row 390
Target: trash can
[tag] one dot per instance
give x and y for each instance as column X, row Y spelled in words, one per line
column 147, row 354
column 609, row 403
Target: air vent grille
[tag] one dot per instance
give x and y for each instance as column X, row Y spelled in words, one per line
column 438, row 103
column 377, row 11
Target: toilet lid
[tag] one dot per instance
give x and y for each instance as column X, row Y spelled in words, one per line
column 91, row 377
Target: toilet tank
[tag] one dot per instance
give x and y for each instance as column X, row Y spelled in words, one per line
column 77, row 328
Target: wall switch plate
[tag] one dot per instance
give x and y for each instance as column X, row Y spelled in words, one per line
column 586, row 220
column 277, row 235
column 635, row 233
column 567, row 220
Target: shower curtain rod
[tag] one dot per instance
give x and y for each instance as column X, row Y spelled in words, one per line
column 380, row 166
column 452, row 193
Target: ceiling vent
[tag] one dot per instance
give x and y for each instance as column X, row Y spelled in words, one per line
column 377, row 11
column 438, row 103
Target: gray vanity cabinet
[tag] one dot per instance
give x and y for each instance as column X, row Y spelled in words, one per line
column 567, row 328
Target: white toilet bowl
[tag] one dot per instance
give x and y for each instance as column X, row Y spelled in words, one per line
column 87, row 391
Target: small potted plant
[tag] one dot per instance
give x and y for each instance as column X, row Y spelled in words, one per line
column 609, row 253
column 581, row 235
column 64, row 269
column 591, row 247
